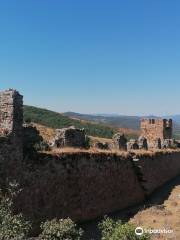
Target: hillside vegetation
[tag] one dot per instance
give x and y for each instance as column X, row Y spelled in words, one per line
column 125, row 122
column 56, row 120
column 130, row 122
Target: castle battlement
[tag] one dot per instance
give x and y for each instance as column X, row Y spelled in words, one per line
column 154, row 129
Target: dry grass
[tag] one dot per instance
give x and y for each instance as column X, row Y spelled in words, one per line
column 164, row 216
column 151, row 153
column 129, row 131
column 102, row 140
column 46, row 132
column 91, row 151
column 137, row 153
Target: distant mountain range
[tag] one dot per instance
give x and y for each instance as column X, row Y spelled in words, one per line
column 131, row 122
column 120, row 121
column 176, row 118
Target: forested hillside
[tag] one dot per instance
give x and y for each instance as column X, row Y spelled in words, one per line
column 56, row 120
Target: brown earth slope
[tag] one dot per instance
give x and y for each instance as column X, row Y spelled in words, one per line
column 165, row 215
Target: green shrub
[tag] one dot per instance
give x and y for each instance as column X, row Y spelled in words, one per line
column 115, row 230
column 62, row 229
column 56, row 120
column 27, row 120
column 12, row 226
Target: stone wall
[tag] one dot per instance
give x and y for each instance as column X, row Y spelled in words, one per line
column 85, row 185
column 11, row 113
column 11, row 120
column 69, row 137
column 153, row 129
column 119, row 142
column 157, row 169
column 80, row 185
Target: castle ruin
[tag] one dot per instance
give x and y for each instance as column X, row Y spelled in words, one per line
column 156, row 130
column 82, row 185
column 120, row 142
column 11, row 120
column 69, row 137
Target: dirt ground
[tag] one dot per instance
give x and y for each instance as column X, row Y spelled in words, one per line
column 163, row 216
column 160, row 211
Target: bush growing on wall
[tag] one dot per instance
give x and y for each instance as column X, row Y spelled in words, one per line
column 62, row 229
column 112, row 230
column 12, row 226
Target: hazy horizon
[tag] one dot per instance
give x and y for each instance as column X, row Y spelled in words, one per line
column 106, row 113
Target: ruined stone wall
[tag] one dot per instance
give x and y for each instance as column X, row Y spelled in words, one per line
column 11, row 113
column 11, row 120
column 69, row 137
column 84, row 185
column 153, row 129
column 80, row 185
column 157, row 169
column 119, row 142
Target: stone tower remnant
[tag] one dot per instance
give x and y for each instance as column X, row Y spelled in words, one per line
column 142, row 142
column 156, row 131
column 11, row 120
column 120, row 142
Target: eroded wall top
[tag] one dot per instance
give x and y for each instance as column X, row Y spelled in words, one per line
column 153, row 129
column 11, row 112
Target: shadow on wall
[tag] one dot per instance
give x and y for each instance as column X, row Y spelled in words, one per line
column 86, row 185
column 158, row 197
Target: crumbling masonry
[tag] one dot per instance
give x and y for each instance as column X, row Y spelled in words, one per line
column 81, row 185
column 120, row 142
column 11, row 121
column 156, row 131
column 69, row 137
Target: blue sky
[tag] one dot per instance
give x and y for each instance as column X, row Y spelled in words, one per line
column 98, row 56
